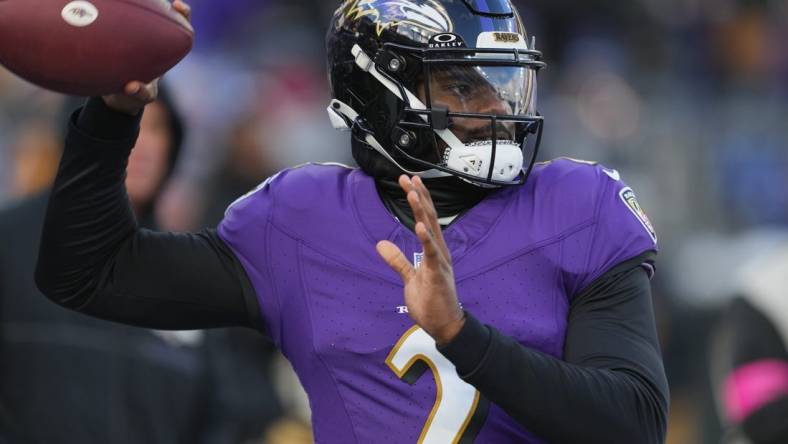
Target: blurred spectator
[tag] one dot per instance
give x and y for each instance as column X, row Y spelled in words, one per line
column 34, row 159
column 67, row 378
column 246, row 164
column 749, row 367
column 29, row 143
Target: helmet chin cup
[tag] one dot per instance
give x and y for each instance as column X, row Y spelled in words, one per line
column 476, row 159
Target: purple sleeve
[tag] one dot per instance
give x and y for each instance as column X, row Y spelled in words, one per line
column 621, row 230
column 245, row 230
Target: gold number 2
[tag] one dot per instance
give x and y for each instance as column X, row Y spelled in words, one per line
column 459, row 410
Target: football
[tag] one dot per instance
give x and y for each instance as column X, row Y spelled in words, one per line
column 94, row 47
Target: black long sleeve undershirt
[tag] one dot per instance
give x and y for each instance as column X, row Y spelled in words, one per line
column 96, row 260
column 611, row 383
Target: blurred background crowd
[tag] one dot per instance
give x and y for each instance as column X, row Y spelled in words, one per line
column 688, row 99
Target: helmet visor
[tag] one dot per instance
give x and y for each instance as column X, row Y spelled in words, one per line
column 473, row 94
column 496, row 90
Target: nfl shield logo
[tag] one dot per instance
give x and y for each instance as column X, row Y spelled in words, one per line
column 417, row 259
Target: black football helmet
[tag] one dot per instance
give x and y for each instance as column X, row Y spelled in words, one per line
column 436, row 88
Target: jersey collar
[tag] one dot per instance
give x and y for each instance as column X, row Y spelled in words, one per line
column 461, row 236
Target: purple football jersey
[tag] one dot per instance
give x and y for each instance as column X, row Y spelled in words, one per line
column 307, row 236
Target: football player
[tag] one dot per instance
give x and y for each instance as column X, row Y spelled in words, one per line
column 522, row 288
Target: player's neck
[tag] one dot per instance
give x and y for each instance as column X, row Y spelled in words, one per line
column 452, row 197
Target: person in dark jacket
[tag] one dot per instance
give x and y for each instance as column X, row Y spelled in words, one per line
column 749, row 365
column 69, row 378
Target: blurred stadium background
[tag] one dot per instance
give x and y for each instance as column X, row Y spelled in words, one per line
column 688, row 99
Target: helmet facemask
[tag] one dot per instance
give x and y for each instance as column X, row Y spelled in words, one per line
column 478, row 116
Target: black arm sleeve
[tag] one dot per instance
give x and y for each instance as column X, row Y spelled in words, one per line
column 95, row 259
column 611, row 387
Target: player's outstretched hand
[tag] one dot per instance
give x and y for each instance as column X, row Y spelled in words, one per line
column 138, row 94
column 430, row 293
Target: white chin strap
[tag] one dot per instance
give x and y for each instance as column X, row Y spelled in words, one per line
column 474, row 159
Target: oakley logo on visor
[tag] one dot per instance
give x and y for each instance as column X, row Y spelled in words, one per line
column 446, row 40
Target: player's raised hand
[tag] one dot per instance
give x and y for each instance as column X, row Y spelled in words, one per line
column 138, row 94
column 430, row 293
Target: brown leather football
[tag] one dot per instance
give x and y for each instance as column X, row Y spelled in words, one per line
column 91, row 47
